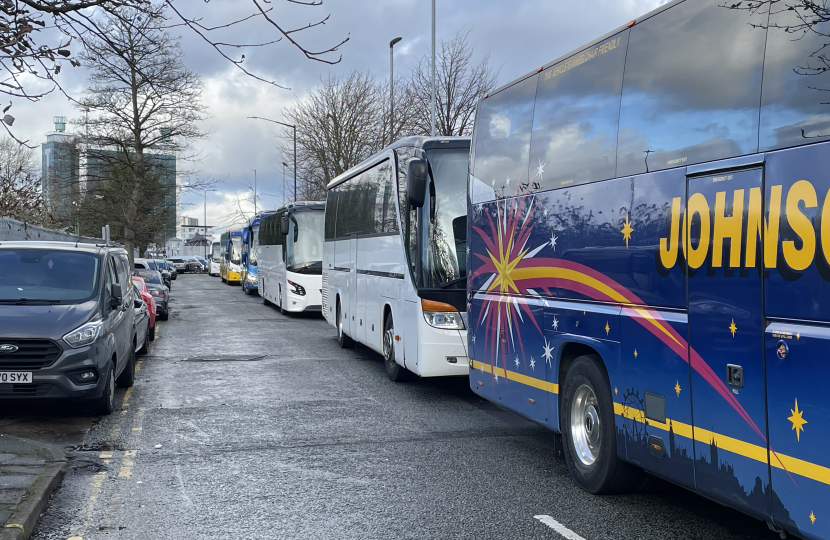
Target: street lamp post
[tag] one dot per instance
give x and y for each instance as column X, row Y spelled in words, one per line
column 432, row 103
column 254, row 192
column 392, row 88
column 206, row 192
column 284, row 165
column 292, row 126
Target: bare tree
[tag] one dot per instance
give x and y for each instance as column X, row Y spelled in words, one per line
column 21, row 197
column 144, row 109
column 37, row 37
column 459, row 85
column 339, row 125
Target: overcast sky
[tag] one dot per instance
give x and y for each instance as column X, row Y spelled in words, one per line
column 519, row 35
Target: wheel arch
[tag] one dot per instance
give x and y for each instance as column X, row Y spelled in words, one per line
column 570, row 351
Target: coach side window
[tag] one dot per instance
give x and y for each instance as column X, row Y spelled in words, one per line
column 502, row 142
column 575, row 121
column 691, row 88
column 385, row 215
column 331, row 214
column 794, row 108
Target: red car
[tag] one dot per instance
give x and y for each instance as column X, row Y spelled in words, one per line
column 150, row 301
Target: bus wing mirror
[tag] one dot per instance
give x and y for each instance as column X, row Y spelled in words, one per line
column 416, row 182
column 284, row 225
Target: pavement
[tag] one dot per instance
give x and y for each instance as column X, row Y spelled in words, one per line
column 245, row 423
column 30, row 472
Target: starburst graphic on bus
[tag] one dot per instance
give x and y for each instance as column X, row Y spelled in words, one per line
column 515, row 276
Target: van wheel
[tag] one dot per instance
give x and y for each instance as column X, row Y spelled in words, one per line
column 104, row 405
column 245, row 289
column 395, row 371
column 343, row 340
column 127, row 377
column 589, row 435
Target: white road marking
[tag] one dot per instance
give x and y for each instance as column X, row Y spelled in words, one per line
column 558, row 527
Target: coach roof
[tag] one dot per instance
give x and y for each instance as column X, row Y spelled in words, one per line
column 424, row 143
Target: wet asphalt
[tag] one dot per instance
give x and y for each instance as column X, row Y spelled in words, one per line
column 245, row 423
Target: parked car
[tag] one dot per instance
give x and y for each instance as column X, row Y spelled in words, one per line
column 170, row 267
column 203, row 262
column 67, row 322
column 195, row 264
column 182, row 265
column 144, row 292
column 142, row 326
column 157, row 289
column 153, row 264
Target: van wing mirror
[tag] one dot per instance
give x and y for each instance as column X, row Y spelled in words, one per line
column 284, row 225
column 416, row 182
column 115, row 296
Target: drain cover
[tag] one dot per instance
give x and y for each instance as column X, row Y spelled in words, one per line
column 268, row 320
column 224, row 358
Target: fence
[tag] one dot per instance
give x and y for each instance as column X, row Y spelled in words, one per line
column 11, row 229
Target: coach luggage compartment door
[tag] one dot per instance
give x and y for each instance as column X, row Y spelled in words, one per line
column 726, row 322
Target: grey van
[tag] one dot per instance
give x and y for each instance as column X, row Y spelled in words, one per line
column 67, row 325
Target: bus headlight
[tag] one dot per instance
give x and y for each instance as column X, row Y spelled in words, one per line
column 296, row 288
column 446, row 320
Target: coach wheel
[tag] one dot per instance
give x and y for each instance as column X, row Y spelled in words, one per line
column 395, row 371
column 280, row 306
column 262, row 294
column 587, row 423
column 245, row 288
column 342, row 339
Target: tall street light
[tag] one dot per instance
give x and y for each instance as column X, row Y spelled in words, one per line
column 392, row 87
column 432, row 104
column 284, row 165
column 254, row 192
column 292, row 126
column 206, row 192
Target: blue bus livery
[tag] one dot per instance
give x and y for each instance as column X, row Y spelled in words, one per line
column 650, row 255
column 250, row 254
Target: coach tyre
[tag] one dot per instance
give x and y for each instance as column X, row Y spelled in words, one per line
column 587, row 424
column 394, row 370
column 342, row 339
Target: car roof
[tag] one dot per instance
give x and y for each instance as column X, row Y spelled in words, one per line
column 64, row 246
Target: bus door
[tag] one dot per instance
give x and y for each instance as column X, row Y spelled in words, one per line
column 726, row 322
column 797, row 301
column 355, row 302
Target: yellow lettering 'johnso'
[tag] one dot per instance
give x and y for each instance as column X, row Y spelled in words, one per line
column 738, row 211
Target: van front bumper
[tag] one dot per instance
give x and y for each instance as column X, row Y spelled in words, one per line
column 61, row 380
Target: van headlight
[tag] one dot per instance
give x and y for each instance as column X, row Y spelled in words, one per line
column 251, row 277
column 445, row 320
column 84, row 335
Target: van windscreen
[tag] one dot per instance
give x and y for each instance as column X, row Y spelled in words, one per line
column 47, row 275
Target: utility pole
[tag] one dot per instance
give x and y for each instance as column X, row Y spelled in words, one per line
column 284, row 165
column 205, row 223
column 432, row 104
column 254, row 191
column 392, row 88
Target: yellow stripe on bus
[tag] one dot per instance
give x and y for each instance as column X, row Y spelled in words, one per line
column 793, row 465
column 518, row 377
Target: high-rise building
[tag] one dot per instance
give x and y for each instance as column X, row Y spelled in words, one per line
column 60, row 172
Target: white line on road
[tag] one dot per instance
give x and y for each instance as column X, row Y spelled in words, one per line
column 558, row 527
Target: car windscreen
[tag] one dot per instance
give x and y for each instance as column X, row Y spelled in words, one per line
column 152, row 265
column 151, row 277
column 139, row 284
column 48, row 275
